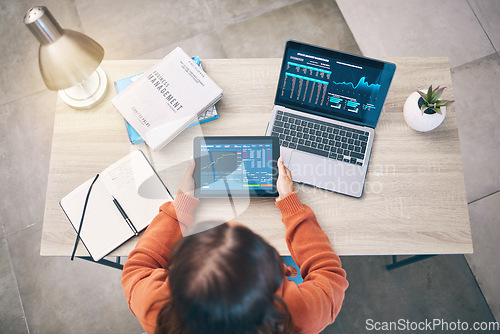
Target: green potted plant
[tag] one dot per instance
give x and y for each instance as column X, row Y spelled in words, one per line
column 425, row 111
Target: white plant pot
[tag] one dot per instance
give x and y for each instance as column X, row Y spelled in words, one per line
column 421, row 121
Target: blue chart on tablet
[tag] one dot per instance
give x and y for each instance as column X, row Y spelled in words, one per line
column 236, row 166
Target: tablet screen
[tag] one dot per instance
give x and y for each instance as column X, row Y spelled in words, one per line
column 236, row 166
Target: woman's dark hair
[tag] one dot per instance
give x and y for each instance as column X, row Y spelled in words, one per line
column 224, row 280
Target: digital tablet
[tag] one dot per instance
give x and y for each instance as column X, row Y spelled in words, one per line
column 236, row 166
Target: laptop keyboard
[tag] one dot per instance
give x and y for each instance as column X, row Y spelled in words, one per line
column 325, row 139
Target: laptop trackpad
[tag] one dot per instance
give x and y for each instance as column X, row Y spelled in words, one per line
column 309, row 168
column 326, row 173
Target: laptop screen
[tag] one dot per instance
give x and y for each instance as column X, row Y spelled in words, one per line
column 333, row 83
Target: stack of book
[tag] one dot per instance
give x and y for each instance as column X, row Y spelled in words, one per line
column 160, row 103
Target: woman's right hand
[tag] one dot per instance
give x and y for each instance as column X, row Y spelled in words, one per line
column 285, row 182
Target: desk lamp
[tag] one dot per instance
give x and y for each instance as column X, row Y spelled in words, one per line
column 69, row 61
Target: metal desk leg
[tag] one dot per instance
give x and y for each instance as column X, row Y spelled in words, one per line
column 105, row 262
column 412, row 259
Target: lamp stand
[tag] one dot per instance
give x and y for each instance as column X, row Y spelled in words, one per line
column 88, row 93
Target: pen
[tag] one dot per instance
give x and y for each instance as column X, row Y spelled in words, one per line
column 127, row 219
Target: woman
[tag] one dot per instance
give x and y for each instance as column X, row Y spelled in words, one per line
column 228, row 279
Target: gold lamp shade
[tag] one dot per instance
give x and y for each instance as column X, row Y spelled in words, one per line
column 67, row 59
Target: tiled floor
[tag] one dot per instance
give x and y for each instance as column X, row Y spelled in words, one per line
column 54, row 295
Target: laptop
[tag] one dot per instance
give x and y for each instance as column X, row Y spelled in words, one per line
column 326, row 108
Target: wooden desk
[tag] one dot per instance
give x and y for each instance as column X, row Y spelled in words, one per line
column 414, row 199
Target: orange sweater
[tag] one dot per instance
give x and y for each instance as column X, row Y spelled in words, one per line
column 313, row 304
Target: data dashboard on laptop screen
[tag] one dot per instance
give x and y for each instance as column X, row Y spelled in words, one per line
column 333, row 83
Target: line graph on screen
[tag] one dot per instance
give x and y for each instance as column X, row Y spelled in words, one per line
column 361, row 85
